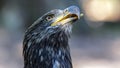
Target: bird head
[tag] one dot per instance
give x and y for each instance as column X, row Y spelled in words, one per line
column 57, row 18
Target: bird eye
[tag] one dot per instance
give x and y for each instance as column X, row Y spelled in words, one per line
column 49, row 17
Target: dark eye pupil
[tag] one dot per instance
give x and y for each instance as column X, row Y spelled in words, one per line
column 49, row 17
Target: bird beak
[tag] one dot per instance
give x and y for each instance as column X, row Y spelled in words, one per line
column 69, row 15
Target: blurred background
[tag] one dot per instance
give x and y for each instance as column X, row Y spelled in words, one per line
column 95, row 40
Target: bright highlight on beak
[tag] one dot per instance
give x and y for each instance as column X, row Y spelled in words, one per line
column 81, row 14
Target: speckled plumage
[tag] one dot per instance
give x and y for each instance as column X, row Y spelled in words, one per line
column 47, row 46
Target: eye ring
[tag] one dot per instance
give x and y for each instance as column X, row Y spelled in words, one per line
column 50, row 17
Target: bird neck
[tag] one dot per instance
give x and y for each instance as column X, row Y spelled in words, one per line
column 57, row 48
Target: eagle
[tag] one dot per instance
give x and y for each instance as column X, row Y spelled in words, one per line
column 46, row 41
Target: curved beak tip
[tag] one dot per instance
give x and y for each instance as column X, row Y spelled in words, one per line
column 74, row 10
